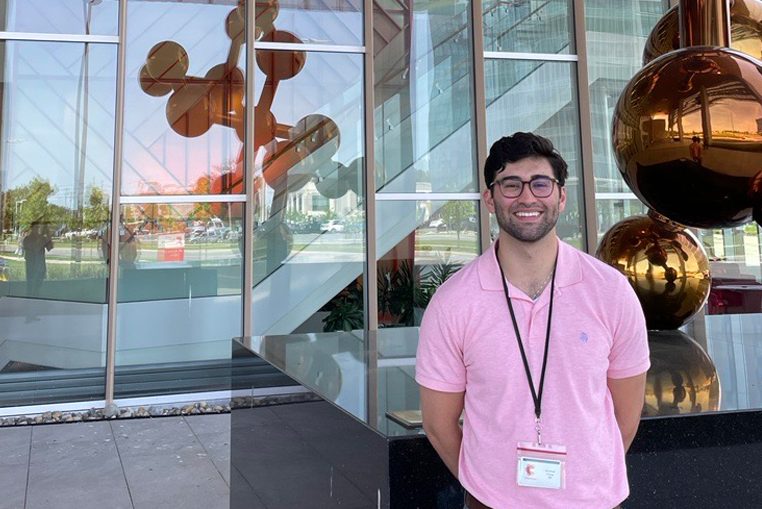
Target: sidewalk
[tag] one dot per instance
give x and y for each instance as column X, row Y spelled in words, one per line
column 163, row 462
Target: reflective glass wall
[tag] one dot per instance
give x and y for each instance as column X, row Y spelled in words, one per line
column 56, row 177
column 530, row 74
column 330, row 205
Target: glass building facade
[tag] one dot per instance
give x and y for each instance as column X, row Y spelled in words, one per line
column 177, row 173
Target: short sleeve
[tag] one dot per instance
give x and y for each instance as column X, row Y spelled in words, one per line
column 439, row 360
column 629, row 353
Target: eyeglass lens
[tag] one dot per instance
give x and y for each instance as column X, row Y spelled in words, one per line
column 541, row 187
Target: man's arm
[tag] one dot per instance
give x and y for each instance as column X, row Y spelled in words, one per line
column 441, row 415
column 628, row 395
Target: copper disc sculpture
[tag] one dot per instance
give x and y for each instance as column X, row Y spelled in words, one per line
column 687, row 137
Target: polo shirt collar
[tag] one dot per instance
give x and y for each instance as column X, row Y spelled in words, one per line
column 568, row 271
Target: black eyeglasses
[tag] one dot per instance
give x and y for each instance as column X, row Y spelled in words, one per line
column 512, row 187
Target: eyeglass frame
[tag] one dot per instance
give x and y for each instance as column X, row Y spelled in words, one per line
column 553, row 181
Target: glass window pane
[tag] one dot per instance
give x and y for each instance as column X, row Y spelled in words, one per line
column 309, row 237
column 540, row 97
column 57, row 156
column 183, row 102
column 424, row 98
column 179, row 296
column 615, row 40
column 420, row 245
column 302, row 21
column 529, row 26
column 96, row 17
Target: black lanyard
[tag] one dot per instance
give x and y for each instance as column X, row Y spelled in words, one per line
column 536, row 396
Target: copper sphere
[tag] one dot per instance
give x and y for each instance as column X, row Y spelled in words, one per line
column 682, row 378
column 664, row 263
column 714, row 95
column 745, row 31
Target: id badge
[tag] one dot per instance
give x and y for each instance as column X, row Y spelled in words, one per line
column 541, row 465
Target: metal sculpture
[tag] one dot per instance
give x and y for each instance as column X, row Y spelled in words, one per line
column 294, row 154
column 745, row 31
column 687, row 130
column 664, row 263
column 682, row 378
column 687, row 137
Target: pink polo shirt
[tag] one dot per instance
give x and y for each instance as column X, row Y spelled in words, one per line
column 467, row 343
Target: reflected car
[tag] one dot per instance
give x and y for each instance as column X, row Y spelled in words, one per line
column 332, row 226
column 439, row 224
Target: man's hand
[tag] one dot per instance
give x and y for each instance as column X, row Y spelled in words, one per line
column 441, row 414
column 628, row 395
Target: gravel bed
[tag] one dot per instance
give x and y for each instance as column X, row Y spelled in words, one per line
column 142, row 412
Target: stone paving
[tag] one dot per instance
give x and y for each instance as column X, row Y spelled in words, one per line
column 162, row 462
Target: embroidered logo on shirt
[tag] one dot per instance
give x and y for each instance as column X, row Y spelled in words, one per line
column 583, row 337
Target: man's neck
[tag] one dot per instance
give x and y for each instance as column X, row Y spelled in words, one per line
column 528, row 264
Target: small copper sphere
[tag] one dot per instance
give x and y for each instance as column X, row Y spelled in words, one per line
column 687, row 135
column 682, row 378
column 745, row 31
column 664, row 263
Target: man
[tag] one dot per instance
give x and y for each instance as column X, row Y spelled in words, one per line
column 535, row 433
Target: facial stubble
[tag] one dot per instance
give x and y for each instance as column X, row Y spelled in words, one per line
column 526, row 232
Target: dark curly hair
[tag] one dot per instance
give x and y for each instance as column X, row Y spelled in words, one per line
column 518, row 146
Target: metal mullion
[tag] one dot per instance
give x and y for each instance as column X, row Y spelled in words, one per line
column 31, row 36
column 316, row 48
column 113, row 267
column 586, row 129
column 480, row 117
column 371, row 270
column 371, row 263
column 247, row 289
column 505, row 55
column 427, row 196
column 183, row 198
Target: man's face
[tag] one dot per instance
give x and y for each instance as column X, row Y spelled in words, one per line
column 526, row 217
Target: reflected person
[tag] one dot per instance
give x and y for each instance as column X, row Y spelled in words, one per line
column 696, row 149
column 541, row 347
column 36, row 243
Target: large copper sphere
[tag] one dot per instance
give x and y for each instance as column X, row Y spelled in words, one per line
column 745, row 31
column 713, row 95
column 682, row 378
column 664, row 263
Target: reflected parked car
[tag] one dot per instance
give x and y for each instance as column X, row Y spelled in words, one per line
column 439, row 224
column 332, row 226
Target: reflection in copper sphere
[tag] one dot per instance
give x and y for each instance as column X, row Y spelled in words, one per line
column 665, row 264
column 710, row 94
column 682, row 378
column 745, row 31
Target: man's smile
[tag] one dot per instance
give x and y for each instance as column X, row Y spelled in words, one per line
column 529, row 214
